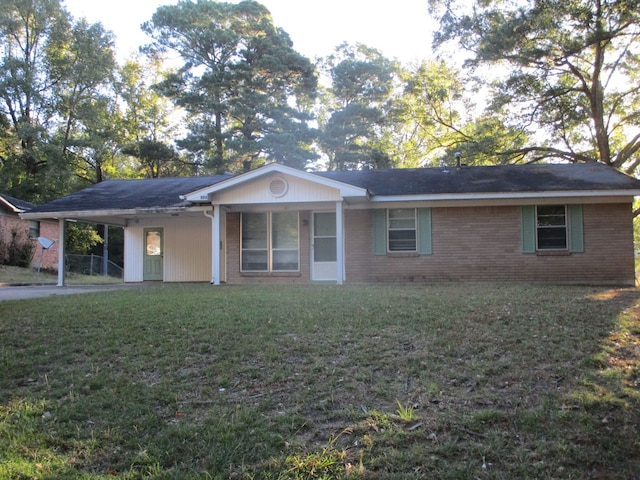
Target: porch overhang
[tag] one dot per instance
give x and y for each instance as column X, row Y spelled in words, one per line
column 120, row 218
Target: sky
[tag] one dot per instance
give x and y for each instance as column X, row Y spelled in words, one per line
column 399, row 29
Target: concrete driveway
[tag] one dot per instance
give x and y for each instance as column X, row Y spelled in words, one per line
column 38, row 291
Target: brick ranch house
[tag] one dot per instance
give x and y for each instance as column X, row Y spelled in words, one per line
column 27, row 230
column 569, row 223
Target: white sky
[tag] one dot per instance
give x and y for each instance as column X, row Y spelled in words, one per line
column 399, row 29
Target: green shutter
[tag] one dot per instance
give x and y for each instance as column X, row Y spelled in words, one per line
column 424, row 231
column 380, row 232
column 576, row 232
column 528, row 214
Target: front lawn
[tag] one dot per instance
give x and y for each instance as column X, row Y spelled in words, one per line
column 322, row 382
column 30, row 276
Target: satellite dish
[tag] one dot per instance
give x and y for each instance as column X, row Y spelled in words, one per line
column 46, row 242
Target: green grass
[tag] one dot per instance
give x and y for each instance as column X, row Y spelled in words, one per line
column 16, row 275
column 322, row 382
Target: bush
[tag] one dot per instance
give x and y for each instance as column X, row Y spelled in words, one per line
column 18, row 252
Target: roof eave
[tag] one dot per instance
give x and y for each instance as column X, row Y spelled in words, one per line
column 11, row 206
column 506, row 195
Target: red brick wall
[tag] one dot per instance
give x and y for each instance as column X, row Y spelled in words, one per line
column 484, row 244
column 50, row 258
column 471, row 244
column 10, row 222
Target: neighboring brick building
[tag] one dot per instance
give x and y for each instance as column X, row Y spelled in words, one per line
column 547, row 223
column 27, row 230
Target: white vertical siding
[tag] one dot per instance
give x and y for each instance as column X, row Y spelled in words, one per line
column 187, row 249
column 133, row 250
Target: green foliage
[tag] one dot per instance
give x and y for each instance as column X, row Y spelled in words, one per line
column 149, row 124
column 243, row 86
column 55, row 83
column 80, row 238
column 157, row 159
column 566, row 74
column 439, row 119
column 357, row 108
column 405, row 412
column 325, row 463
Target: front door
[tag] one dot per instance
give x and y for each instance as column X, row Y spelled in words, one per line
column 323, row 247
column 153, row 253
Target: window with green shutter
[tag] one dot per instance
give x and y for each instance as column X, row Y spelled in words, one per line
column 402, row 230
column 552, row 227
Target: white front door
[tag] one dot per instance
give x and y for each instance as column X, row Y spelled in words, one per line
column 323, row 247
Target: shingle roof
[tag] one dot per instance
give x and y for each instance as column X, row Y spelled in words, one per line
column 490, row 179
column 128, row 194
column 548, row 178
column 19, row 205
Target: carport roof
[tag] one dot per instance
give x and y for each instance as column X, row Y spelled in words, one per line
column 147, row 193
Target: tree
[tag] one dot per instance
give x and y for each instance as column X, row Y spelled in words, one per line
column 570, row 73
column 149, row 123
column 244, row 87
column 438, row 118
column 357, row 107
column 29, row 29
column 55, row 90
column 83, row 64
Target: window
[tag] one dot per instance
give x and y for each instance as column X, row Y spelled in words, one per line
column 402, row 229
column 551, row 227
column 34, row 229
column 397, row 228
column 269, row 242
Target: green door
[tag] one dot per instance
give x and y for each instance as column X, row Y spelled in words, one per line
column 153, row 254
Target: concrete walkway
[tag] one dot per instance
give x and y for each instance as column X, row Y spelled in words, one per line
column 39, row 291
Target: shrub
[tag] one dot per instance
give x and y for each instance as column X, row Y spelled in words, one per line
column 18, row 252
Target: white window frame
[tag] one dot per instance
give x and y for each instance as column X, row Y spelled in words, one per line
column 34, row 228
column 390, row 229
column 564, row 227
column 270, row 248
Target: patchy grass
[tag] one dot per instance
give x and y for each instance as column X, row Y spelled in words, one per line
column 320, row 382
column 17, row 275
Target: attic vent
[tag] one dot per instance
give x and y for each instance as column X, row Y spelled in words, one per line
column 278, row 187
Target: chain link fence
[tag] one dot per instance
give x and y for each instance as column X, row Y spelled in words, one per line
column 91, row 265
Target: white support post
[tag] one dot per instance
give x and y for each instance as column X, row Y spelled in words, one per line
column 215, row 244
column 339, row 244
column 61, row 223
